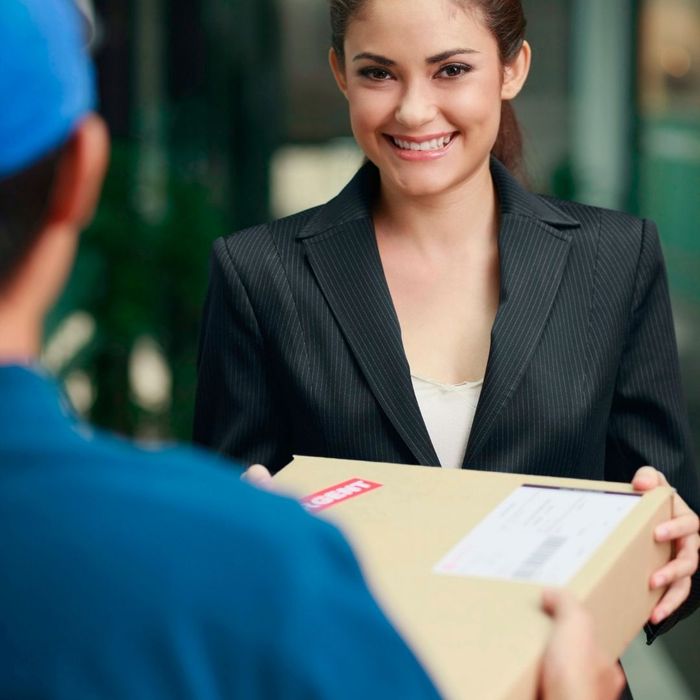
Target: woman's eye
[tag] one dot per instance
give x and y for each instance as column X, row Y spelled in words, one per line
column 375, row 73
column 454, row 70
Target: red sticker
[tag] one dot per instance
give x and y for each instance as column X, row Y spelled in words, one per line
column 336, row 494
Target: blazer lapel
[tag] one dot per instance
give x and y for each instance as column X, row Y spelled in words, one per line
column 534, row 246
column 342, row 250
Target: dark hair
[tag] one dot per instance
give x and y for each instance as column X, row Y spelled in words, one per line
column 24, row 201
column 505, row 19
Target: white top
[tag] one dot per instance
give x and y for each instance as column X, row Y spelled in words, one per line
column 448, row 412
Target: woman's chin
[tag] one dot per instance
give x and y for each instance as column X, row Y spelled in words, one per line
column 420, row 185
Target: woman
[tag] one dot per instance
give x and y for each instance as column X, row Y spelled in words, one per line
column 436, row 312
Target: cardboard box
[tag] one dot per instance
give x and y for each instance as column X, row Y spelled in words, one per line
column 480, row 638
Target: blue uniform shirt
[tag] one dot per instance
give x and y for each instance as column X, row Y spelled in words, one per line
column 132, row 573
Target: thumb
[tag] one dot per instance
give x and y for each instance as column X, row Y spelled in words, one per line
column 646, row 478
column 258, row 475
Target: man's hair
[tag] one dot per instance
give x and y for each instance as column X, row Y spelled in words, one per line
column 25, row 198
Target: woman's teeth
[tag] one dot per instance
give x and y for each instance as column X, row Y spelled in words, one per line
column 432, row 145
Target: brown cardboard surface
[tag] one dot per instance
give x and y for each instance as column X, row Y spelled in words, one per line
column 479, row 638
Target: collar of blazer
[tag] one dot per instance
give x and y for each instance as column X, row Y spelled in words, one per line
column 534, row 242
column 356, row 199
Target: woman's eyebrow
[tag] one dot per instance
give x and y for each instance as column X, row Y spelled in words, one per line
column 444, row 55
column 381, row 60
column 437, row 58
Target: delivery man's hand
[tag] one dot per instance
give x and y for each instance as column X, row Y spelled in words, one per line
column 682, row 530
column 574, row 668
column 257, row 475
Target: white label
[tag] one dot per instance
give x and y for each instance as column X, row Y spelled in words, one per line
column 538, row 534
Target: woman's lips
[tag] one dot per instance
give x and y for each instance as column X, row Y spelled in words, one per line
column 428, row 148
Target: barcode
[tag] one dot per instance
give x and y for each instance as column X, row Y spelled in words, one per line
column 529, row 568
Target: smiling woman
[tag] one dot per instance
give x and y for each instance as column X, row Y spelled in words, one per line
column 435, row 311
column 498, row 52
column 417, row 102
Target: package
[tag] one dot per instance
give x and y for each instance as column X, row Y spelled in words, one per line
column 458, row 560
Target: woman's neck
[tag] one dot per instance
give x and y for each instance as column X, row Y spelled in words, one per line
column 467, row 214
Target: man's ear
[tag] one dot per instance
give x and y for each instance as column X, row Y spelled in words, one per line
column 338, row 70
column 80, row 175
column 516, row 72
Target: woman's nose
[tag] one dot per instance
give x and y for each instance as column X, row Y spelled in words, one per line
column 415, row 108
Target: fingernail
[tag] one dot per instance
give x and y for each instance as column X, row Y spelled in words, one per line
column 659, row 581
column 662, row 531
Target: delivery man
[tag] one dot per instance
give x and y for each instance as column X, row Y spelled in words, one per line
column 157, row 574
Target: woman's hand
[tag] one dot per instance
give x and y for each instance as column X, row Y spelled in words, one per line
column 682, row 531
column 257, row 475
column 574, row 668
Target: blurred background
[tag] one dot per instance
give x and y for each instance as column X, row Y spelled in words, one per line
column 223, row 114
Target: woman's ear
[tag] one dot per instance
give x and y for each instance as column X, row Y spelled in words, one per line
column 338, row 70
column 516, row 72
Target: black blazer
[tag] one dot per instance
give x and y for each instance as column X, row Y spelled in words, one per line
column 301, row 349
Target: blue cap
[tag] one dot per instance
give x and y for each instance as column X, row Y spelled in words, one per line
column 47, row 81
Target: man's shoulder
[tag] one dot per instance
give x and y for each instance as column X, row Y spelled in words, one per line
column 86, row 478
column 169, row 559
column 133, row 519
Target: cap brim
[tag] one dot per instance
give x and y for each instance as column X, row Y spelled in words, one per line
column 89, row 18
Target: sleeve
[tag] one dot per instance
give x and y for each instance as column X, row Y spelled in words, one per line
column 648, row 420
column 237, row 409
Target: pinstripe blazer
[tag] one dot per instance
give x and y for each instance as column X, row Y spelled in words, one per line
column 301, row 349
